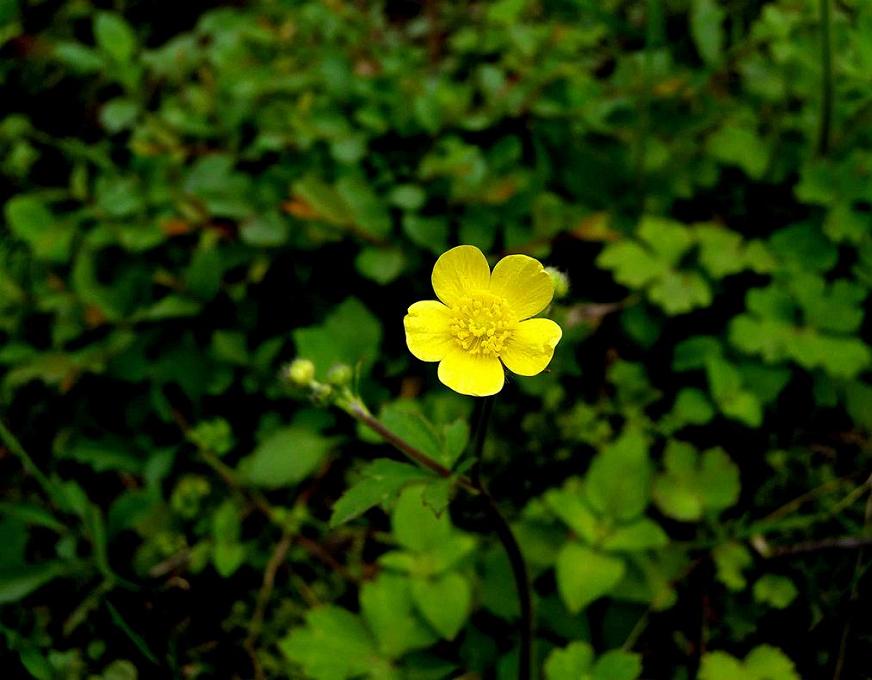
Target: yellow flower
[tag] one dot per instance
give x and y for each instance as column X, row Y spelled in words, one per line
column 485, row 320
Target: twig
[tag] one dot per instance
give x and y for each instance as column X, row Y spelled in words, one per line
column 269, row 575
column 843, row 543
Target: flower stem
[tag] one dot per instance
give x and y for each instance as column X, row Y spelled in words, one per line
column 510, row 544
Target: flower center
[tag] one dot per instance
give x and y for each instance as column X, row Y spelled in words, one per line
column 482, row 324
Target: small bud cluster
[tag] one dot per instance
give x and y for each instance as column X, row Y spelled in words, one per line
column 300, row 373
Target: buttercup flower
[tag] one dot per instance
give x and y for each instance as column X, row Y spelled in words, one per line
column 483, row 320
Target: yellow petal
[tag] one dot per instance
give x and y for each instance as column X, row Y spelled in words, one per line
column 531, row 346
column 459, row 271
column 428, row 335
column 476, row 376
column 523, row 283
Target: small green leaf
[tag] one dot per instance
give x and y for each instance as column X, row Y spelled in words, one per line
column 333, row 645
column 380, row 482
column 617, row 664
column 286, row 457
column 386, row 605
column 776, row 591
column 731, row 559
column 416, row 526
column 18, row 582
column 114, row 36
column 584, row 575
column 349, row 335
column 444, row 601
column 570, row 663
column 643, row 534
column 618, row 483
column 706, row 27
column 382, row 265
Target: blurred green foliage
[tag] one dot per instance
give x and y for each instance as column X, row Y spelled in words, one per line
column 195, row 194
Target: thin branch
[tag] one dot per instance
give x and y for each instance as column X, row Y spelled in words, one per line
column 279, row 555
column 841, row 543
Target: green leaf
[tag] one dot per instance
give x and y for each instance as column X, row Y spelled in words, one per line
column 570, row 663
column 444, row 601
column 776, row 591
column 731, row 559
column 618, row 483
column 769, row 663
column 720, row 666
column 669, row 239
column 763, row 663
column 416, row 527
column 643, row 534
column 706, row 27
column 380, row 482
column 617, row 664
column 570, row 507
column 382, row 265
column 227, row 554
column 692, row 407
column 17, row 582
column 737, row 143
column 728, row 391
column 631, row 264
column 333, row 645
column 286, row 457
column 114, row 36
column 680, row 292
column 119, row 114
column 584, row 575
column 693, row 485
column 32, row 222
column 349, row 335
column 386, row 605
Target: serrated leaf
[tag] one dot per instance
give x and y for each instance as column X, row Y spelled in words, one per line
column 380, row 482
column 416, row 526
column 386, row 605
column 333, row 645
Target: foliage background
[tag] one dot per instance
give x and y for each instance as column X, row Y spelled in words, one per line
column 194, row 194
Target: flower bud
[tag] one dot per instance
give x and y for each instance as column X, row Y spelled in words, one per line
column 301, row 372
column 339, row 375
column 560, row 281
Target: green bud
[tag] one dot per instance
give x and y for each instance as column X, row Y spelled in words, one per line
column 340, row 375
column 560, row 281
column 301, row 372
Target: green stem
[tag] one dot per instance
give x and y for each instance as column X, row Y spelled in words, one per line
column 16, row 449
column 507, row 538
column 826, row 80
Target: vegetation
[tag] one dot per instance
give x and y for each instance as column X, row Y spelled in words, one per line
column 195, row 195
